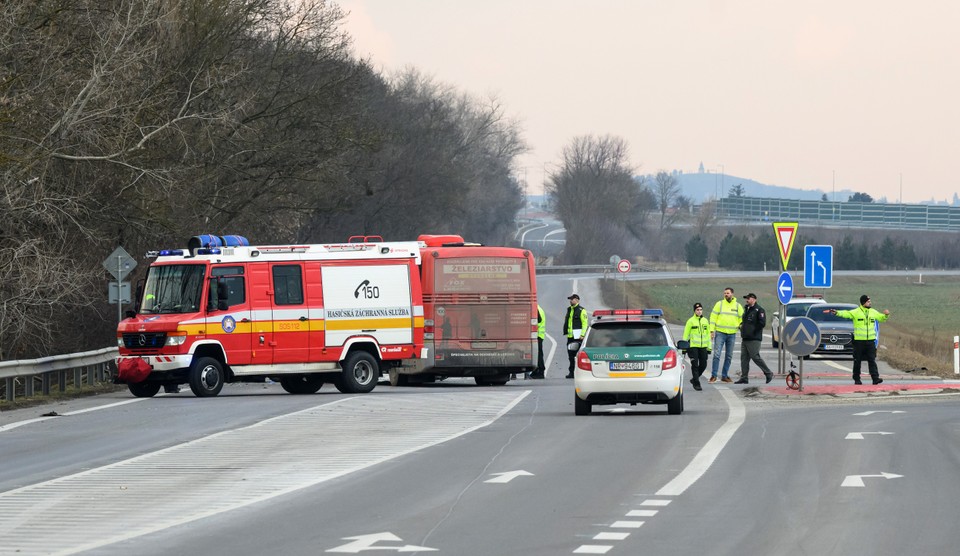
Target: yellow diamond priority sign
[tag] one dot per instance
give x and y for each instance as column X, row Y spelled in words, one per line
column 786, row 232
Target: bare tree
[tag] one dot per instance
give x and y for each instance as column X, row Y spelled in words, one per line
column 666, row 190
column 595, row 195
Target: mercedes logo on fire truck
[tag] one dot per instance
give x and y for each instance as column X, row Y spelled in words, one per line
column 142, row 339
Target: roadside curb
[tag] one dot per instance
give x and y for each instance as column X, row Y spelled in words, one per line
column 853, row 391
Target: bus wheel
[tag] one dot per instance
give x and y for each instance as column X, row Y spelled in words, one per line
column 397, row 379
column 301, row 384
column 206, row 377
column 144, row 389
column 360, row 373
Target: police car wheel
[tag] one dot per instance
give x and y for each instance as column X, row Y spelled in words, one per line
column 206, row 377
column 581, row 407
column 360, row 373
column 675, row 406
column 144, row 389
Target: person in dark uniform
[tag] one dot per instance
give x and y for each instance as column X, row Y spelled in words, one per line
column 751, row 333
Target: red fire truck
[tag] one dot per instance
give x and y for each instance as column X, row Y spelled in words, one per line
column 480, row 312
column 224, row 311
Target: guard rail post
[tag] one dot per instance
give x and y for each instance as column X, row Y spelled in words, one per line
column 62, row 376
column 9, row 384
column 45, row 384
column 28, row 386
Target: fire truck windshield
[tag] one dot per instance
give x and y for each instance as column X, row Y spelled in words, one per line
column 173, row 289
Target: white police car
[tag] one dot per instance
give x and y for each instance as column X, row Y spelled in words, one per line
column 629, row 356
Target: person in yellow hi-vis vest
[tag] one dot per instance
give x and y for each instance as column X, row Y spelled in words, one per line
column 574, row 328
column 865, row 319
column 724, row 323
column 541, row 334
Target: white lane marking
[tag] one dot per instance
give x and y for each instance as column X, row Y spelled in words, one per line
column 836, row 365
column 706, row 456
column 610, row 536
column 859, row 435
column 642, row 513
column 367, row 542
column 627, row 524
column 508, row 476
column 553, row 348
column 12, row 426
column 523, row 236
column 592, row 549
column 866, row 413
column 857, row 480
column 237, row 468
column 655, row 502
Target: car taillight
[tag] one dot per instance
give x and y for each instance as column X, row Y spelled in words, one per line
column 669, row 360
column 583, row 361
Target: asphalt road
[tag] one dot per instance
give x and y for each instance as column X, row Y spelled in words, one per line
column 258, row 471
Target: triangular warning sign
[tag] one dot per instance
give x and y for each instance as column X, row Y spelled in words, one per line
column 786, row 232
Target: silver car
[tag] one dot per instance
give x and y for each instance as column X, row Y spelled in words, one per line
column 797, row 307
column 836, row 334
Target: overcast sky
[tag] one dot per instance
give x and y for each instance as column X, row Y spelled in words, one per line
column 785, row 93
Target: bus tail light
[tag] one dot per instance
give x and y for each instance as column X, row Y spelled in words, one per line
column 428, row 326
column 670, row 359
column 583, row 361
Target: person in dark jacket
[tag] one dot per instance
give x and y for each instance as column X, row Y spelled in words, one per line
column 751, row 334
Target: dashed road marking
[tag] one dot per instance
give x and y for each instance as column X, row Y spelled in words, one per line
column 642, row 513
column 627, row 524
column 610, row 536
column 593, row 549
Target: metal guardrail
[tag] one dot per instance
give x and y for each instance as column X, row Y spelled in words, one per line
column 576, row 268
column 88, row 367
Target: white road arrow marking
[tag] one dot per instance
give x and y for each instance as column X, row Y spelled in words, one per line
column 508, row 476
column 367, row 542
column 859, row 435
column 882, row 411
column 857, row 480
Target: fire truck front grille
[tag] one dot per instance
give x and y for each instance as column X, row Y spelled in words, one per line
column 144, row 340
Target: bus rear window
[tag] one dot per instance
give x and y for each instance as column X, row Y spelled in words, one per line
column 486, row 274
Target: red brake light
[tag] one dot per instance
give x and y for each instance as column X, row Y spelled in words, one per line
column 583, row 361
column 670, row 360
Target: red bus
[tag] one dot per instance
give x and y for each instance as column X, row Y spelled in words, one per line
column 480, row 312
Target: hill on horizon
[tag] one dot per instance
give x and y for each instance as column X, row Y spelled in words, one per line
column 706, row 186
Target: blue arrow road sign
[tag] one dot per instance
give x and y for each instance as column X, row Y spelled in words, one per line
column 785, row 288
column 817, row 266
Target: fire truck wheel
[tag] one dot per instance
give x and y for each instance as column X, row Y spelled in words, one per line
column 206, row 377
column 360, row 373
column 144, row 389
column 301, row 384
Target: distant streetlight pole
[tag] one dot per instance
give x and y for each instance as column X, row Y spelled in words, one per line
column 722, row 175
column 833, row 182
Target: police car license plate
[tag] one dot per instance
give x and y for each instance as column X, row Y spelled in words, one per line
column 626, row 365
column 833, row 347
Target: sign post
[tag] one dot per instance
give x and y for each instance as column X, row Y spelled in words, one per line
column 801, row 337
column 785, row 233
column 623, row 266
column 119, row 264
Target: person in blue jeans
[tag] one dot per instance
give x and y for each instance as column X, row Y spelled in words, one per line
column 724, row 322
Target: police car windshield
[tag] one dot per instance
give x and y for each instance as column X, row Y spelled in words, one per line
column 626, row 334
column 172, row 289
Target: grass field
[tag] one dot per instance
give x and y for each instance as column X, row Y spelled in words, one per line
column 919, row 335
